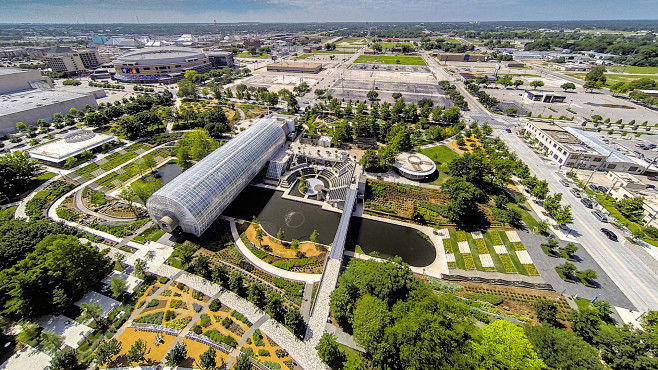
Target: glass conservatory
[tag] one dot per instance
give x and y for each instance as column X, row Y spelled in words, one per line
column 195, row 198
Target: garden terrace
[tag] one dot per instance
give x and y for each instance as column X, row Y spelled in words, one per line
column 490, row 251
column 111, row 161
column 122, row 175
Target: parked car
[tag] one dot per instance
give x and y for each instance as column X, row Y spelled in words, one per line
column 576, row 193
column 594, row 187
column 586, row 203
column 609, row 234
column 600, row 216
column 604, row 189
column 651, row 186
column 652, row 178
column 565, row 183
column 509, row 130
column 650, row 146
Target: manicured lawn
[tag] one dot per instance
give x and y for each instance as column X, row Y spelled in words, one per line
column 303, row 56
column 390, row 45
column 459, row 259
column 440, row 154
column 352, row 41
column 389, row 59
column 474, row 252
column 632, row 69
column 525, row 216
column 613, row 78
column 494, row 256
column 334, row 52
column 246, row 54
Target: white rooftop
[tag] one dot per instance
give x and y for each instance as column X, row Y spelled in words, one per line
column 72, row 332
column 26, row 100
column 27, row 358
column 72, row 144
column 107, row 303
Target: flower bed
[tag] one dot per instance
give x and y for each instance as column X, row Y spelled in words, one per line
column 468, row 261
column 507, row 263
column 519, row 246
column 461, row 236
column 481, row 246
column 495, row 238
column 532, row 270
column 447, row 245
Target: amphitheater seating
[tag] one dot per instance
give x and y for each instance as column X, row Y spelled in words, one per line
column 338, row 193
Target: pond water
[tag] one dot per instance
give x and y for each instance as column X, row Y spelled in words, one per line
column 298, row 220
column 168, row 172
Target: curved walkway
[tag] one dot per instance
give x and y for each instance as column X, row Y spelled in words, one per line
column 298, row 276
column 79, row 204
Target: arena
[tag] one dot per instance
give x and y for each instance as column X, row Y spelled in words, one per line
column 162, row 64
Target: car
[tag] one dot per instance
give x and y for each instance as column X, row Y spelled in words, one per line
column 652, row 178
column 612, row 236
column 651, row 186
column 565, row 183
column 600, row 216
column 509, row 130
column 650, row 146
column 576, row 193
column 604, row 189
column 586, row 203
column 563, row 227
column 594, row 187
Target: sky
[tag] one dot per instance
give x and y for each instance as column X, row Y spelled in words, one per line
column 225, row 11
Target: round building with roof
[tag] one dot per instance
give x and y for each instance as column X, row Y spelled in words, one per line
column 160, row 64
column 415, row 166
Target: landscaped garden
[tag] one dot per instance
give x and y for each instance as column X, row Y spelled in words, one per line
column 490, row 251
column 122, row 175
column 391, row 59
column 111, row 161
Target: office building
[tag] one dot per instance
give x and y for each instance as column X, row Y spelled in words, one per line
column 74, row 62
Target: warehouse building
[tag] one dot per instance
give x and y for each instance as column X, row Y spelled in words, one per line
column 194, row 199
column 295, row 67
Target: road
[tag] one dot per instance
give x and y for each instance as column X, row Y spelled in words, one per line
column 630, row 274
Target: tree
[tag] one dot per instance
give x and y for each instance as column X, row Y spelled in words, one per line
column 118, row 286
column 183, row 158
column 50, row 341
column 370, row 159
column 397, row 96
column 235, row 282
column 518, row 83
column 546, row 311
column 563, row 215
column 295, row 322
column 96, row 119
column 370, row 319
column 274, row 306
column 562, row 349
column 626, row 348
column 207, row 359
column 294, row 245
column 585, row 323
column 452, row 115
column 127, row 194
column 177, row 355
column 650, row 321
column 66, row 359
column 242, row 363
column 198, row 143
column 256, row 294
column 329, row 352
column 20, row 126
column 568, row 86
column 537, row 83
column 107, row 350
column 259, row 236
column 589, row 274
column 511, row 111
column 505, row 346
column 139, row 268
column 91, row 311
column 17, row 170
column 463, row 198
column 631, row 208
column 144, row 189
column 596, row 74
column 137, row 352
column 314, row 236
column 372, row 95
column 280, row 234
column 187, row 89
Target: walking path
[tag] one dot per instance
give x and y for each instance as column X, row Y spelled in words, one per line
column 236, row 351
column 297, row 276
column 307, row 301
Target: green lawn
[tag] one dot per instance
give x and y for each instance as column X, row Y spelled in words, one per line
column 390, row 59
column 246, row 54
column 525, row 215
column 613, row 78
column 352, row 41
column 459, row 259
column 334, row 51
column 512, row 253
column 494, row 256
column 389, row 45
column 303, row 56
column 440, row 154
column 632, row 69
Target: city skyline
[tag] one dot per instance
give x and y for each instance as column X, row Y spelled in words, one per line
column 205, row 11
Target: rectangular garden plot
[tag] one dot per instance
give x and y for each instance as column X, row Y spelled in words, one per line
column 487, row 262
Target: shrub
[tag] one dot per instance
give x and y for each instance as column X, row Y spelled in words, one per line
column 263, row 352
column 258, row 338
column 281, row 353
column 169, row 315
column 227, row 322
column 215, row 305
column 197, row 295
column 175, row 303
column 218, row 337
column 67, row 214
column 152, row 303
column 163, row 280
column 197, row 329
column 239, row 317
column 153, row 318
column 204, row 320
column 166, row 293
column 491, row 298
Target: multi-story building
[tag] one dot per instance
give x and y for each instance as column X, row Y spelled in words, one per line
column 578, row 149
column 221, row 59
column 74, row 62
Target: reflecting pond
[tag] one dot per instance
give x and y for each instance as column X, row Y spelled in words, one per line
column 298, row 220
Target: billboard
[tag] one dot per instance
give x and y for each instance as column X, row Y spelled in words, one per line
column 130, row 70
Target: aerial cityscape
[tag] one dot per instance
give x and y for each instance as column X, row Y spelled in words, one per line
column 328, row 185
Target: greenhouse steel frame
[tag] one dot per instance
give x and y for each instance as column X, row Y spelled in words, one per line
column 195, row 198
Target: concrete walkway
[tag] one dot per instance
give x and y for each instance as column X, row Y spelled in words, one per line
column 342, row 337
column 236, row 351
column 307, row 301
column 297, row 276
